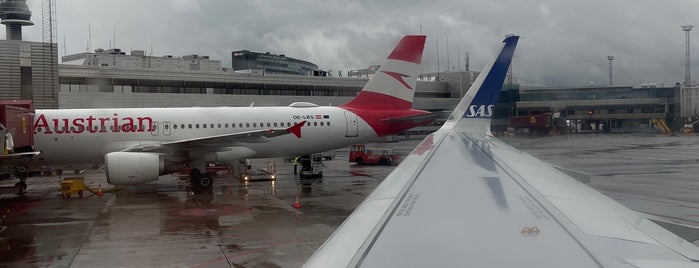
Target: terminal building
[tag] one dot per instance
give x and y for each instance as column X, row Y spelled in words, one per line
column 615, row 108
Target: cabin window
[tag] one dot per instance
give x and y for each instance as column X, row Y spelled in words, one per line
column 219, row 125
column 321, row 123
column 189, row 126
column 328, row 123
column 197, row 125
column 212, row 126
column 268, row 125
column 174, row 126
column 275, row 124
column 254, row 124
column 247, row 125
column 167, row 126
column 203, row 125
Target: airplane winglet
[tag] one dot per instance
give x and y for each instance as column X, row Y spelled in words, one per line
column 296, row 129
column 481, row 97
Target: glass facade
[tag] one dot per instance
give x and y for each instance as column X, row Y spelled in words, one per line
column 270, row 63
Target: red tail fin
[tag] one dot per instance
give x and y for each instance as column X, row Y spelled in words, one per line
column 393, row 85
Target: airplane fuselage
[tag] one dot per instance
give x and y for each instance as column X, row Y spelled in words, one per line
column 84, row 136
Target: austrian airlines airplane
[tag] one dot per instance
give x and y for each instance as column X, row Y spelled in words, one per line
column 139, row 144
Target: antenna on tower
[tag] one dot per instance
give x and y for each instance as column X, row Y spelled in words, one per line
column 467, row 61
column 461, row 75
column 50, row 50
column 89, row 38
column 437, row 78
column 448, row 66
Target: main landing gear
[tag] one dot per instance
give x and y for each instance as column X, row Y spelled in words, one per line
column 22, row 174
column 201, row 182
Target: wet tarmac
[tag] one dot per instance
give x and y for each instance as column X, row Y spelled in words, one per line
column 653, row 174
column 160, row 224
column 254, row 224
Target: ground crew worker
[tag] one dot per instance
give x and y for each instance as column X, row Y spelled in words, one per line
column 296, row 163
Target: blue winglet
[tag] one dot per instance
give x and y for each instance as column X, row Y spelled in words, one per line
column 487, row 94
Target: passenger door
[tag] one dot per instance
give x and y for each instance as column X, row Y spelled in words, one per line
column 352, row 125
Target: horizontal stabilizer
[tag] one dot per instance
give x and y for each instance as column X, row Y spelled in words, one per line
column 417, row 119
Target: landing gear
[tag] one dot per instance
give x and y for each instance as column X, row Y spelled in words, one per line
column 21, row 187
column 22, row 173
column 201, row 182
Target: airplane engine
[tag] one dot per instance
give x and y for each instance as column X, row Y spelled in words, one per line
column 125, row 168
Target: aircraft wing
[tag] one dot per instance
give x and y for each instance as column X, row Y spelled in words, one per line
column 254, row 136
column 225, row 140
column 462, row 198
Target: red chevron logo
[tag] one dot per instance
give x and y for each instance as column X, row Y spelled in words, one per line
column 399, row 77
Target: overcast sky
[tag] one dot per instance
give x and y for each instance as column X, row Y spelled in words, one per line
column 565, row 43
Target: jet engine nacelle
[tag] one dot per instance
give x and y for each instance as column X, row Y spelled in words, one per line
column 135, row 168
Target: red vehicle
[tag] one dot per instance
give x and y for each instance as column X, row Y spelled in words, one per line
column 361, row 156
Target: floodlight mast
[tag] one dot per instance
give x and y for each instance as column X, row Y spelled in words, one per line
column 687, row 78
column 610, row 59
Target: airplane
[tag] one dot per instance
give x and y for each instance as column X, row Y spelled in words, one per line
column 137, row 145
column 462, row 198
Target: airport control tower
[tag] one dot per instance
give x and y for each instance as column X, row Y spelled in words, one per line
column 14, row 14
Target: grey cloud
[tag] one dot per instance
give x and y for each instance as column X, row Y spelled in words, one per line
column 564, row 42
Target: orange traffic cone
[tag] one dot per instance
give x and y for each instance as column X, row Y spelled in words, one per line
column 99, row 190
column 297, row 205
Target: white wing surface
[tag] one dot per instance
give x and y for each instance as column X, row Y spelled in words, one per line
column 462, row 198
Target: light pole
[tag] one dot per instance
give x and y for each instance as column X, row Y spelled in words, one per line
column 610, row 59
column 686, row 29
